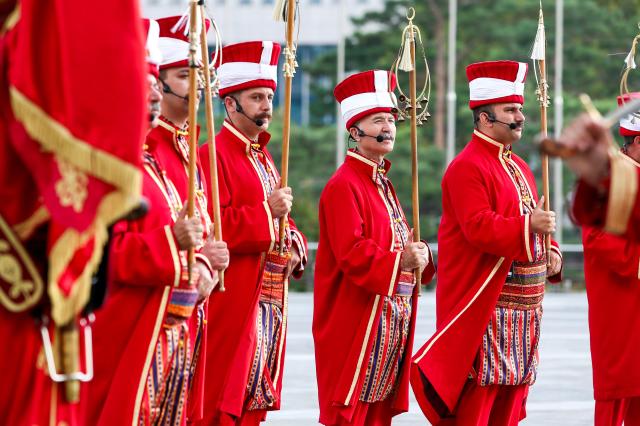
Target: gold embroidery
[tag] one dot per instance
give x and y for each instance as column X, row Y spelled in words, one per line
column 25, row 286
column 71, row 188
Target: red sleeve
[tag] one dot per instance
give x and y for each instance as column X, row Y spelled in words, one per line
column 430, row 270
column 619, row 254
column 355, row 254
column 615, row 204
column 145, row 259
column 485, row 229
column 589, row 205
column 300, row 242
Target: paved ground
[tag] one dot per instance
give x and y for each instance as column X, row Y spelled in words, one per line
column 562, row 395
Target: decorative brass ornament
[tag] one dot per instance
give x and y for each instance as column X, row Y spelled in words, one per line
column 630, row 64
column 411, row 34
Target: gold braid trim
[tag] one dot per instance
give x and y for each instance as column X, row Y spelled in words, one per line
column 622, row 194
column 125, row 177
column 11, row 20
column 25, row 229
column 55, row 138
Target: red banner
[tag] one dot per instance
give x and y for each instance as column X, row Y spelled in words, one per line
column 77, row 89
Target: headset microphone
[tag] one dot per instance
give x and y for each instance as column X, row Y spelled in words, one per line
column 258, row 122
column 167, row 89
column 378, row 138
column 512, row 126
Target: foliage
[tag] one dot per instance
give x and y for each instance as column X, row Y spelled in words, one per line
column 597, row 35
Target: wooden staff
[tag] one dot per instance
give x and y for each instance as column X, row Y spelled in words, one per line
column 538, row 56
column 214, row 197
column 193, row 117
column 415, row 194
column 289, row 70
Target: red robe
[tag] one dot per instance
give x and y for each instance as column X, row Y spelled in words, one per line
column 27, row 395
column 247, row 228
column 355, row 270
column 615, row 205
column 612, row 275
column 144, row 266
column 482, row 231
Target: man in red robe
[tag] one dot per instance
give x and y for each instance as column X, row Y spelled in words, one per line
column 55, row 205
column 606, row 194
column 612, row 275
column 492, row 267
column 149, row 333
column 365, row 297
column 248, row 323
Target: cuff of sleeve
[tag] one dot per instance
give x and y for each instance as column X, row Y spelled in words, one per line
column 203, row 259
column 296, row 238
column 556, row 249
column 272, row 230
column 527, row 236
column 175, row 255
column 554, row 279
column 394, row 275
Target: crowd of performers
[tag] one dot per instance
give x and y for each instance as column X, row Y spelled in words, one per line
column 168, row 349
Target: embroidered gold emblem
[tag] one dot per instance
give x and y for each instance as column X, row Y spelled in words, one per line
column 17, row 292
column 71, row 188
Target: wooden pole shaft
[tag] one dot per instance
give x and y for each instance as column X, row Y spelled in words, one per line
column 545, row 157
column 286, row 119
column 415, row 193
column 214, row 196
column 193, row 117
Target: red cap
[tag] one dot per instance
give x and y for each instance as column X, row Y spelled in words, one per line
column 496, row 82
column 629, row 125
column 365, row 93
column 174, row 41
column 248, row 64
column 152, row 31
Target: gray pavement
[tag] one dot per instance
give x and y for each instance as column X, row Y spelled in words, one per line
column 561, row 396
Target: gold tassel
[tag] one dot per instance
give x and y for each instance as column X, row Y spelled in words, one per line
column 278, row 10
column 406, row 62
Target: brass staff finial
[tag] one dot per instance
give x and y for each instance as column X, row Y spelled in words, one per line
column 403, row 62
column 630, row 64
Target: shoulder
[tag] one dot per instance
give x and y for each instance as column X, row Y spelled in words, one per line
column 468, row 163
column 343, row 182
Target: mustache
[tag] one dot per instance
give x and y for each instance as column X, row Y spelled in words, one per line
column 154, row 111
column 264, row 115
column 386, row 136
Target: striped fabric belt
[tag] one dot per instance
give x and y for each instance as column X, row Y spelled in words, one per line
column 181, row 305
column 406, row 283
column 524, row 288
column 273, row 278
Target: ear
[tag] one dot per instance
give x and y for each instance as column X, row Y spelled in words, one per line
column 636, row 140
column 484, row 119
column 353, row 132
column 229, row 103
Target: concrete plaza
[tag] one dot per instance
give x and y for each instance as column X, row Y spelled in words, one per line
column 561, row 396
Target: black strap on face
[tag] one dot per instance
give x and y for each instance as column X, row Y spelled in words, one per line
column 167, row 89
column 258, row 122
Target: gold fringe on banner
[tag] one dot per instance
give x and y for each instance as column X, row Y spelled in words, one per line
column 125, row 177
